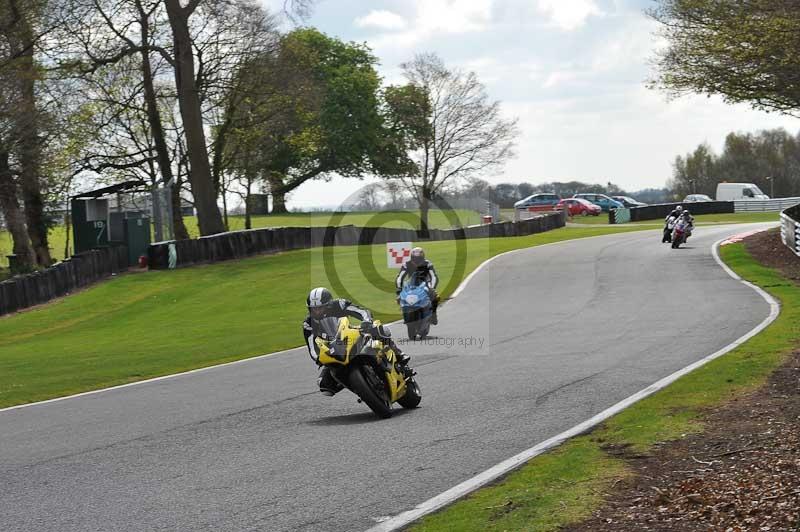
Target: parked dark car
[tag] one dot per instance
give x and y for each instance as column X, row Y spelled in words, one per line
column 628, row 201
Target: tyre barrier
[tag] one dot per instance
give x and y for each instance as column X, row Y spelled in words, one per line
column 240, row 244
column 660, row 211
column 81, row 270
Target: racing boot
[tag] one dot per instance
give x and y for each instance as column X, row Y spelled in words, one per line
column 328, row 386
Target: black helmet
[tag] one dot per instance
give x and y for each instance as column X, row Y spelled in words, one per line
column 417, row 256
column 318, row 301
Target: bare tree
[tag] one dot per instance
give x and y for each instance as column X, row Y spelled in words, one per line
column 448, row 126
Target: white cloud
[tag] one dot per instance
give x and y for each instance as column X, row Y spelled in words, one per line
column 560, row 77
column 454, row 16
column 569, row 14
column 434, row 18
column 381, row 19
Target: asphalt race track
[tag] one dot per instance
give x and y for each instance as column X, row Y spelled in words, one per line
column 539, row 341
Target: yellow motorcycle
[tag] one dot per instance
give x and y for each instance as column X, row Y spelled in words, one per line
column 368, row 367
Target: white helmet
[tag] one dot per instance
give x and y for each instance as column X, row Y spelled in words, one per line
column 417, row 256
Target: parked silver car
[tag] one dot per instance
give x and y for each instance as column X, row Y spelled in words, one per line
column 693, row 198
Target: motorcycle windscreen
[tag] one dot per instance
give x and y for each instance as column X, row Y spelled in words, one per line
column 329, row 326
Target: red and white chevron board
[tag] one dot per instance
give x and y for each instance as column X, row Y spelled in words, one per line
column 398, row 253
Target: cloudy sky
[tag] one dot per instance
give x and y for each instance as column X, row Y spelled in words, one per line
column 572, row 71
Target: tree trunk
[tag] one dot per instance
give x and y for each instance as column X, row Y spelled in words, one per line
column 13, row 215
column 278, row 193
column 208, row 216
column 157, row 130
column 279, row 203
column 225, row 208
column 424, row 208
column 67, row 228
column 29, row 141
column 181, row 233
column 248, row 223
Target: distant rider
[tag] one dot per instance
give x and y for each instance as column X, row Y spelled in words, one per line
column 676, row 212
column 689, row 220
column 417, row 263
column 321, row 305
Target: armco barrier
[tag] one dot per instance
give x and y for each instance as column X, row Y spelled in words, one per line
column 660, row 211
column 240, row 244
column 769, row 205
column 790, row 228
column 81, row 270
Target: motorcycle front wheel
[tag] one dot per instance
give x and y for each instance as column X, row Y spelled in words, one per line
column 412, row 397
column 424, row 328
column 371, row 389
column 412, row 330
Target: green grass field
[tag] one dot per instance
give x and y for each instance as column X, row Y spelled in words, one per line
column 403, row 219
column 143, row 325
column 564, row 486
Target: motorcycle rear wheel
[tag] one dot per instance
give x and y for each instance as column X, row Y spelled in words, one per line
column 412, row 397
column 364, row 382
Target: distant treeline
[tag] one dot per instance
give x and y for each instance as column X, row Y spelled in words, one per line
column 746, row 157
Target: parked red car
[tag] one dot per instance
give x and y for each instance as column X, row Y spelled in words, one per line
column 579, row 206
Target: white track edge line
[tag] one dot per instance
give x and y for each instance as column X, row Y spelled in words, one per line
column 147, row 381
column 259, row 357
column 506, row 466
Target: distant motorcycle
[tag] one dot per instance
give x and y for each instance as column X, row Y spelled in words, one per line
column 679, row 233
column 669, row 225
column 417, row 307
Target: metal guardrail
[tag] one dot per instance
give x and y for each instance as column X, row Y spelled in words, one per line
column 770, row 205
column 790, row 230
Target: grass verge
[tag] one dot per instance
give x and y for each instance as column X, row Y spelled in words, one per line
column 731, row 218
column 149, row 324
column 564, row 486
column 438, row 219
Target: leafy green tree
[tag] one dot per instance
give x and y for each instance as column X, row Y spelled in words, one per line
column 696, row 173
column 745, row 51
column 770, row 159
column 307, row 111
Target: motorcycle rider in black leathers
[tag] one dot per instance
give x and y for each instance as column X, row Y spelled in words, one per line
column 676, row 212
column 689, row 219
column 417, row 263
column 321, row 305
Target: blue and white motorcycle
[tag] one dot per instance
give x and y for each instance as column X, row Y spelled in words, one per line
column 417, row 307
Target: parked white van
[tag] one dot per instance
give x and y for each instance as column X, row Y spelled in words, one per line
column 739, row 191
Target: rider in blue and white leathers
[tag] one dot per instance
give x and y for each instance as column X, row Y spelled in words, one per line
column 417, row 263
